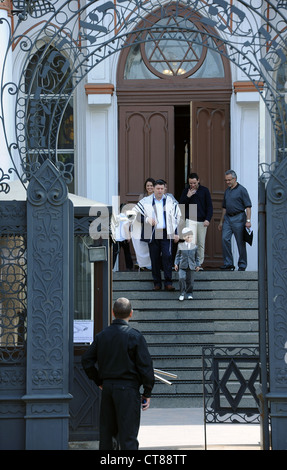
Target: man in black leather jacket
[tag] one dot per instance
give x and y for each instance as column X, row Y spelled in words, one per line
column 118, row 361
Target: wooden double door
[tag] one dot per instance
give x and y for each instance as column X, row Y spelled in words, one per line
column 169, row 142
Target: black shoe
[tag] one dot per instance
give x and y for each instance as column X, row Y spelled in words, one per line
column 169, row 288
column 241, row 269
column 157, row 288
column 227, row 268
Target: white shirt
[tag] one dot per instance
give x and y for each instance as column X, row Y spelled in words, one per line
column 159, row 213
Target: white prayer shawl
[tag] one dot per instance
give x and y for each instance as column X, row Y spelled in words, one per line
column 146, row 208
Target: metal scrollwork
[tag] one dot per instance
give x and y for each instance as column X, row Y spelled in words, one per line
column 47, row 207
column 277, row 185
column 226, row 399
column 50, row 188
column 13, row 293
column 4, row 185
column 266, row 170
column 76, row 36
column 35, row 8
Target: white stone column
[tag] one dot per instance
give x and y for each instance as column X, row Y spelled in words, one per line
column 244, row 158
column 101, row 144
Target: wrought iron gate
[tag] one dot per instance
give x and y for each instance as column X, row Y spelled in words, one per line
column 29, row 395
column 36, row 326
column 231, row 378
column 85, row 33
column 13, row 321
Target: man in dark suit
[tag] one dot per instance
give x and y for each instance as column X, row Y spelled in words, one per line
column 118, row 361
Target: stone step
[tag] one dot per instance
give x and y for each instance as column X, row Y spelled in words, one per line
column 203, row 275
column 194, row 375
column 183, row 327
column 225, row 338
column 183, row 350
column 185, row 387
column 179, row 402
column 205, row 286
column 223, row 312
column 134, row 294
column 193, row 316
column 195, row 304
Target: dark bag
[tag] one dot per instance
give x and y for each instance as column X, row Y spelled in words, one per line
column 248, row 235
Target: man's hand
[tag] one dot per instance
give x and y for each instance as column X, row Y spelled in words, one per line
column 191, row 192
column 145, row 403
column 151, row 221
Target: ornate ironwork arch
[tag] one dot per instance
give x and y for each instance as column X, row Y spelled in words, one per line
column 252, row 37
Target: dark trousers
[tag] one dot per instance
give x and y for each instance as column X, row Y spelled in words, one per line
column 126, row 247
column 160, row 249
column 119, row 415
column 185, row 280
column 234, row 226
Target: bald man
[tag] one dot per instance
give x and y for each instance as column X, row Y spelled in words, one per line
column 118, row 361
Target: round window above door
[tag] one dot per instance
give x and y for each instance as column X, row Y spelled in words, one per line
column 168, row 52
column 177, row 48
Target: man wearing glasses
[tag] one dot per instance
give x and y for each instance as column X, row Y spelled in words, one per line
column 236, row 213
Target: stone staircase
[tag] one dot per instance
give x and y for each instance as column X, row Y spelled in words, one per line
column 223, row 312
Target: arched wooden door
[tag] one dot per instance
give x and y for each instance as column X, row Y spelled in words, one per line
column 210, row 147
column 174, row 118
column 146, row 147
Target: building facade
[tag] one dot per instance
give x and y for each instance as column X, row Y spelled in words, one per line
column 159, row 92
column 115, row 92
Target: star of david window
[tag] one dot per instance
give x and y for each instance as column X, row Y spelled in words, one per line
column 170, row 50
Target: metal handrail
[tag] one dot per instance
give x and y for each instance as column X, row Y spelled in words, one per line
column 169, row 374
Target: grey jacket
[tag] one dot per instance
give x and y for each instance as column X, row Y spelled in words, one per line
column 187, row 258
